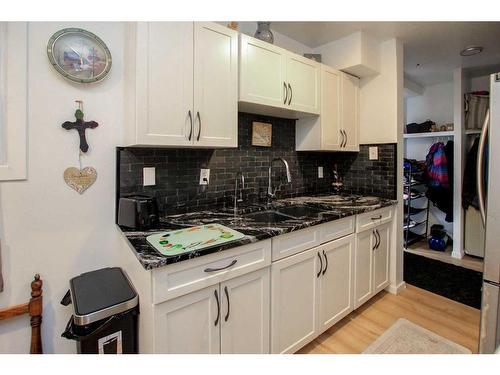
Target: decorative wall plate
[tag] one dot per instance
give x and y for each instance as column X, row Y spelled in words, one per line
column 79, row 55
column 80, row 179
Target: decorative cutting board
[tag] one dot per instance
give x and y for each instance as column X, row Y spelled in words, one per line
column 185, row 240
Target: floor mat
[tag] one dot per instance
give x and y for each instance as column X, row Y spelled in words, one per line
column 457, row 283
column 405, row 337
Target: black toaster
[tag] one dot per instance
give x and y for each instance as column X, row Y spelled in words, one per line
column 138, row 212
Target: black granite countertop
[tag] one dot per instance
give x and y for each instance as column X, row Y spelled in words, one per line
column 324, row 208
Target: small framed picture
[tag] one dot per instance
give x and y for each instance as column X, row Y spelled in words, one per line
column 262, row 134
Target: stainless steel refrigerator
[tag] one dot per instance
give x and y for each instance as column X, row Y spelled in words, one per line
column 488, row 184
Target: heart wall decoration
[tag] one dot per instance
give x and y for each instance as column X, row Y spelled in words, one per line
column 80, row 179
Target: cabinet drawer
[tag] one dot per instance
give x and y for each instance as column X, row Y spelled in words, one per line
column 336, row 229
column 371, row 219
column 190, row 275
column 294, row 242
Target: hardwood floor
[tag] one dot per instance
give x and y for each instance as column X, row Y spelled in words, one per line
column 450, row 319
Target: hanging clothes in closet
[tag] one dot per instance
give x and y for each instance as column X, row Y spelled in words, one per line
column 439, row 174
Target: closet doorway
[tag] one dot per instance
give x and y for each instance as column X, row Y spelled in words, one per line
column 442, row 229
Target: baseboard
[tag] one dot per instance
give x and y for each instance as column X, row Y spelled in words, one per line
column 396, row 289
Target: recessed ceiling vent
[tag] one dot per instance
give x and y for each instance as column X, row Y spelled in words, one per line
column 472, row 50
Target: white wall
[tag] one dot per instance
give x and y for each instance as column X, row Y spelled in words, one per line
column 481, row 83
column 436, row 104
column 379, row 96
column 47, row 227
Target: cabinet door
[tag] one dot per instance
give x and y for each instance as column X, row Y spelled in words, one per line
column 262, row 72
column 381, row 258
column 350, row 111
column 164, row 83
column 336, row 281
column 303, row 84
column 363, row 267
column 330, row 109
column 245, row 313
column 187, row 324
column 293, row 294
column 215, row 85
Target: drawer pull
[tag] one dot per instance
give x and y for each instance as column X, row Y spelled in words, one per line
column 377, row 218
column 222, row 268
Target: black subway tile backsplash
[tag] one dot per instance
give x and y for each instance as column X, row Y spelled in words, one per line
column 177, row 186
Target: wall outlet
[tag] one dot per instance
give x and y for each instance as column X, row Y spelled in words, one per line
column 149, row 176
column 320, row 172
column 204, row 176
column 373, row 153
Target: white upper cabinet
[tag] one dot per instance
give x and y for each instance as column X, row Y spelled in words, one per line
column 274, row 81
column 163, row 84
column 262, row 72
column 303, row 85
column 182, row 82
column 350, row 111
column 216, row 85
column 337, row 127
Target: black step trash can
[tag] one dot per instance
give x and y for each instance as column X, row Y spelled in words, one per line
column 105, row 312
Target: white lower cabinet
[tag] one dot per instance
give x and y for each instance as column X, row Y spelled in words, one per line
column 228, row 317
column 248, row 306
column 363, row 267
column 371, row 266
column 245, row 310
column 293, row 294
column 310, row 292
column 336, row 292
column 187, row 324
column 381, row 258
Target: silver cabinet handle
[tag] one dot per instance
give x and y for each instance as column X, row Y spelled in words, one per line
column 291, row 94
column 286, row 92
column 378, row 238
column 191, row 121
column 375, row 237
column 342, row 140
column 480, row 162
column 345, row 138
column 199, row 122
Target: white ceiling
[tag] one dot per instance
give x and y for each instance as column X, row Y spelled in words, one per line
column 433, row 45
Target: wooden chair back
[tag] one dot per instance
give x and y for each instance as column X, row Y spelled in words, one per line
column 34, row 309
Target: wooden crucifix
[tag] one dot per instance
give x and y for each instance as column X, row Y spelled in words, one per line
column 80, row 126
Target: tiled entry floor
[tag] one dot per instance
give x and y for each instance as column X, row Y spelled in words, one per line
column 447, row 318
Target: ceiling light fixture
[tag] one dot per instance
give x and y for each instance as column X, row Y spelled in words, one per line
column 472, row 50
